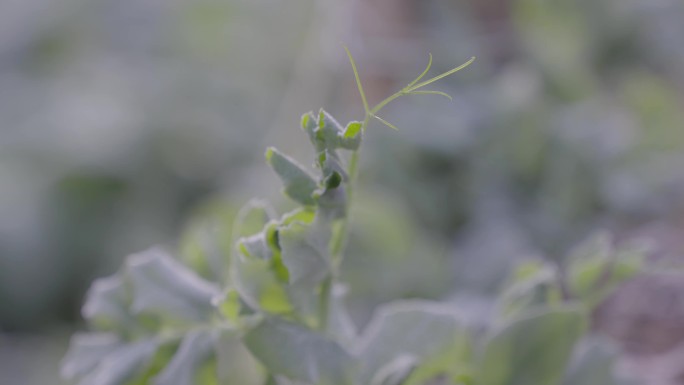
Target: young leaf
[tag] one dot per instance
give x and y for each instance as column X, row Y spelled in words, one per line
column 300, row 354
column 351, row 137
column 299, row 185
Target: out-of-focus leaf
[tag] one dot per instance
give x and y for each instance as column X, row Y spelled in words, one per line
column 121, row 365
column 419, row 329
column 86, row 350
column 235, row 364
column 531, row 350
column 395, row 371
column 593, row 363
column 255, row 246
column 164, row 287
column 258, row 285
column 106, row 306
column 304, row 260
column 597, row 268
column 252, row 218
column 341, row 325
column 534, row 284
column 194, row 352
column 588, row 264
column 228, row 304
column 300, row 354
column 299, row 185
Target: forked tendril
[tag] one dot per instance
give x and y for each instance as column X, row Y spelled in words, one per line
column 412, row 88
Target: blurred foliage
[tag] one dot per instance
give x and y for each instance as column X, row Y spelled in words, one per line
column 122, row 119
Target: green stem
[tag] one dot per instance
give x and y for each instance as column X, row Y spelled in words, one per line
column 338, row 241
column 340, row 234
column 324, row 303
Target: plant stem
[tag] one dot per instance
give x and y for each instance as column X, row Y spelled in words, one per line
column 339, row 239
column 340, row 234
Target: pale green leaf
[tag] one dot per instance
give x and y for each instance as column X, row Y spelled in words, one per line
column 299, row 185
column 300, row 354
column 255, row 246
column 395, row 371
column 164, row 287
column 252, row 218
column 194, row 352
column 106, row 305
column 259, row 286
column 122, row 364
column 228, row 304
column 305, row 260
column 592, row 363
column 86, row 350
column 421, row 329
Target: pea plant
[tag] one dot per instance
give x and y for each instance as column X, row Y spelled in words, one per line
column 272, row 310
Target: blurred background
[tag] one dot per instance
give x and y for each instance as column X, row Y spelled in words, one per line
column 129, row 123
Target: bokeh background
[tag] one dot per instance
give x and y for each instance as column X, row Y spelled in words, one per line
column 129, row 123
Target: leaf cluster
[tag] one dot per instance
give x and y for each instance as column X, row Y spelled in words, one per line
column 278, row 316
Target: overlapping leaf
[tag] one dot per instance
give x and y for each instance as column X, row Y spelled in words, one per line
column 420, row 330
column 300, row 354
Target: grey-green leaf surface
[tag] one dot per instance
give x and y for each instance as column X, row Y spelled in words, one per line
column 304, row 261
column 86, row 350
column 300, row 354
column 534, row 349
column 593, row 363
column 423, row 330
column 395, row 371
column 252, row 218
column 534, row 285
column 255, row 246
column 164, row 287
column 106, row 306
column 122, row 364
column 194, row 351
column 258, row 285
column 299, row 185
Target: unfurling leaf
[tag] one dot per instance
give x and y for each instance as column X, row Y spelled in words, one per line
column 299, row 185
